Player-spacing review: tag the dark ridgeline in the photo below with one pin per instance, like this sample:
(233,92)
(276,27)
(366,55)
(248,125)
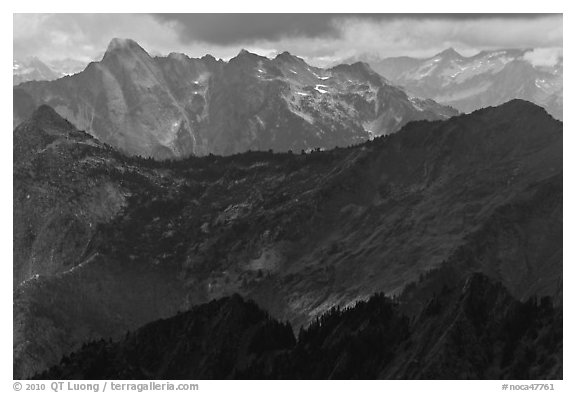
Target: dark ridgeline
(470,329)
(176,106)
(133,241)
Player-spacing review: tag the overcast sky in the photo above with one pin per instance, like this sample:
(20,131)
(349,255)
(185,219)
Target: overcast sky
(319,38)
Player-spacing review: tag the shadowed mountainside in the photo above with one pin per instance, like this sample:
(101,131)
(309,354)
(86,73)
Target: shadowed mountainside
(105,243)
(471,329)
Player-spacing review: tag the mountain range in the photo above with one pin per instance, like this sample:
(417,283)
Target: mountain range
(176,106)
(34,69)
(106,243)
(488,78)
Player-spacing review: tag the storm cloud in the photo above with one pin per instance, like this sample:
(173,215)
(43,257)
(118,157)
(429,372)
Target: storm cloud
(319,38)
(226,29)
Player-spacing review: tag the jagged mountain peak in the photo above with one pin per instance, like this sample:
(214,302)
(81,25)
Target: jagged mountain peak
(245,57)
(246,53)
(362,70)
(122,43)
(178,56)
(449,53)
(124,46)
(288,57)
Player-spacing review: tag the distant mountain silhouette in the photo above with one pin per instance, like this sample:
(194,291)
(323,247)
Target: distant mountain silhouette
(34,69)
(468,83)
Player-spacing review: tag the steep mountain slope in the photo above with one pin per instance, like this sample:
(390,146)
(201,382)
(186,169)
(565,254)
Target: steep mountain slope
(176,106)
(486,79)
(55,211)
(297,233)
(66,183)
(472,329)
(122,100)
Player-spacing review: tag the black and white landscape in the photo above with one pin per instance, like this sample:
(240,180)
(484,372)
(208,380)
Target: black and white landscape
(284,216)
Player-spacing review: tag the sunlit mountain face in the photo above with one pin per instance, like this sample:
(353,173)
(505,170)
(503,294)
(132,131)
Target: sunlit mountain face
(176,106)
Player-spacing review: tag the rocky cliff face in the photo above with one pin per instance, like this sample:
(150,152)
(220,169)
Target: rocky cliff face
(297,233)
(486,79)
(175,106)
